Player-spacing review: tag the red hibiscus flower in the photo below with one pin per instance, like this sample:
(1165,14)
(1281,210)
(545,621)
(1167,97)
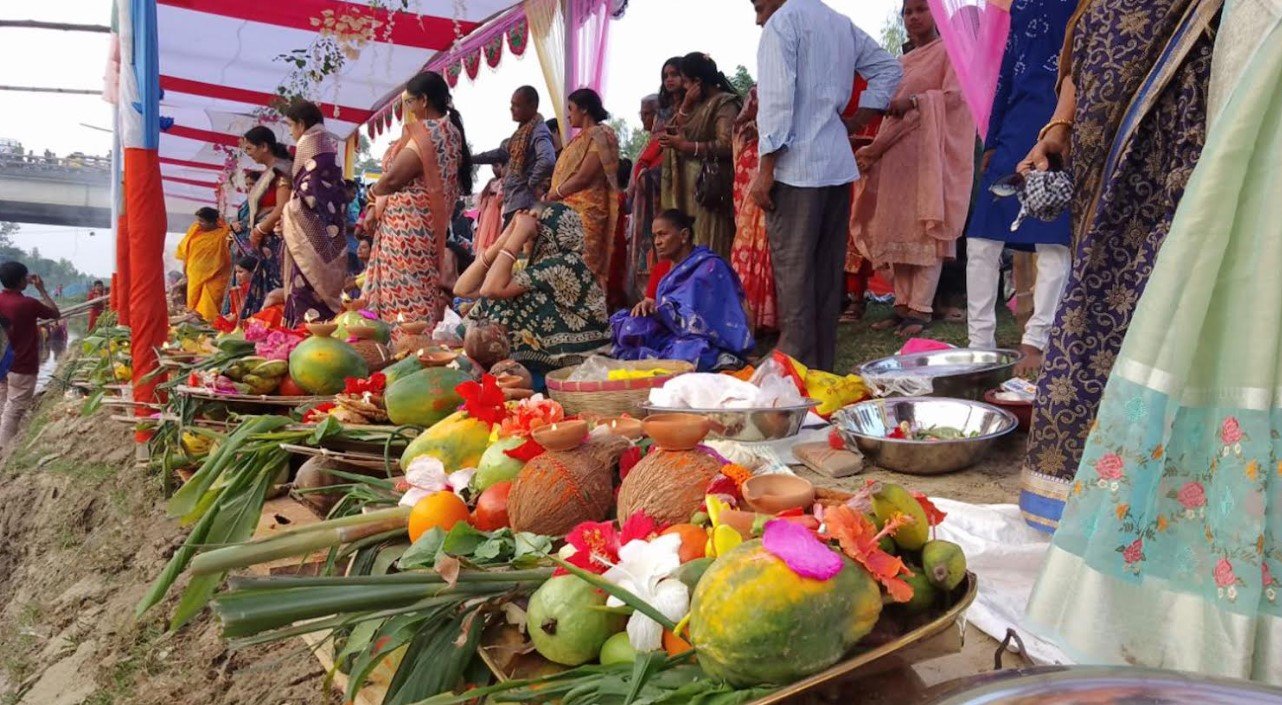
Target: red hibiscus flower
(522,418)
(483,401)
(597,543)
(1110,466)
(859,537)
(1134,552)
(527,451)
(1191,495)
(933,514)
(317,413)
(375,384)
(1224,575)
(1231,431)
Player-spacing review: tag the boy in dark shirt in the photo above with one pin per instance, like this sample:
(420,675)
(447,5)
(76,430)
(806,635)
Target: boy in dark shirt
(18,390)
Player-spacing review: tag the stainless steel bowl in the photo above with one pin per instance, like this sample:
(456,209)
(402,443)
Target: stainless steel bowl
(865,425)
(749,425)
(962,373)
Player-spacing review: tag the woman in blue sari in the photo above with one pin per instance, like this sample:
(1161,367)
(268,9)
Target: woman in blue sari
(696,313)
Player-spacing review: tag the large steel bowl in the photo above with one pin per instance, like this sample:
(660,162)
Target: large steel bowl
(749,425)
(865,425)
(961,373)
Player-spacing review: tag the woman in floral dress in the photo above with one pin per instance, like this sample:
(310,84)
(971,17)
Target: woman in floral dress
(750,254)
(424,173)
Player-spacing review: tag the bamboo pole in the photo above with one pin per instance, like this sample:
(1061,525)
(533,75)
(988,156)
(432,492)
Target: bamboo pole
(61,26)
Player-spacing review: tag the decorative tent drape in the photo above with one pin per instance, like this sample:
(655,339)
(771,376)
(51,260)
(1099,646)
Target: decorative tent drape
(570,37)
(974,33)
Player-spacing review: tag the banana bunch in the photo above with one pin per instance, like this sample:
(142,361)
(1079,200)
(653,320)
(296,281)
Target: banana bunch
(122,372)
(256,375)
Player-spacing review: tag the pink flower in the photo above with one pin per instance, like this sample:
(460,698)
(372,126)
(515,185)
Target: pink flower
(1110,466)
(1230,431)
(797,547)
(1224,576)
(1191,495)
(1267,574)
(1134,552)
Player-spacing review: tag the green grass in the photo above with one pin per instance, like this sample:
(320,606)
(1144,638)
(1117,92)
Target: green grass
(857,343)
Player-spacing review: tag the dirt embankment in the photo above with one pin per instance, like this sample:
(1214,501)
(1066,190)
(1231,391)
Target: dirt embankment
(82,533)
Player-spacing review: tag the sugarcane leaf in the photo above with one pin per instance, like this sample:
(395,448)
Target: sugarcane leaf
(645,666)
(440,663)
(383,640)
(177,563)
(422,553)
(92,402)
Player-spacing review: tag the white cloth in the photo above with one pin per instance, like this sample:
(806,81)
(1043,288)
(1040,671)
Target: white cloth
(1006,555)
(807,60)
(983,259)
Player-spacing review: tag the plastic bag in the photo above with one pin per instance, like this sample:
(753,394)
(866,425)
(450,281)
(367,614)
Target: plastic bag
(899,383)
(450,330)
(705,390)
(594,369)
(834,392)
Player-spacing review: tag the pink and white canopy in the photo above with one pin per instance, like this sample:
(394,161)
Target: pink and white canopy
(222,63)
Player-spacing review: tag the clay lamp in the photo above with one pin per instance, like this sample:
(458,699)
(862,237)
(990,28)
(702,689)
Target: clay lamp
(678,431)
(361,331)
(353,304)
(322,330)
(772,494)
(626,426)
(436,357)
(562,436)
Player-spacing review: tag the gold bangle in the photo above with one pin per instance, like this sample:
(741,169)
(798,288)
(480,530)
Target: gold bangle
(1052,125)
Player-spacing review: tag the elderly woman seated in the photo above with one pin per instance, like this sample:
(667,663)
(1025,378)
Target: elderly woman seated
(694,308)
(553,307)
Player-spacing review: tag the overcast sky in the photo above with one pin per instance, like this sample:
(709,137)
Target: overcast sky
(650,32)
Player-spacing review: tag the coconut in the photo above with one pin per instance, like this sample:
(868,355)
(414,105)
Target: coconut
(668,485)
(375,354)
(557,491)
(486,343)
(314,474)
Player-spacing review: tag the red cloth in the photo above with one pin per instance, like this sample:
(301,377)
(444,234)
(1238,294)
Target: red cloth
(660,270)
(272,316)
(148,313)
(22,313)
(650,158)
(120,281)
(870,130)
(616,296)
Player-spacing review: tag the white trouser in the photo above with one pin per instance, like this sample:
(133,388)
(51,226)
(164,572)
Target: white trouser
(983,260)
(17,396)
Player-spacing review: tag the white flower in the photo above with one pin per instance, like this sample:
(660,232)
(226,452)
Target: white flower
(426,476)
(1112,486)
(644,568)
(1272,594)
(1231,592)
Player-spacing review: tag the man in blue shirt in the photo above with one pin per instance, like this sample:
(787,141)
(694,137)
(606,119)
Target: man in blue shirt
(528,157)
(807,60)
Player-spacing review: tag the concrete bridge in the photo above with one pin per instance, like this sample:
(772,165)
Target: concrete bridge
(71,191)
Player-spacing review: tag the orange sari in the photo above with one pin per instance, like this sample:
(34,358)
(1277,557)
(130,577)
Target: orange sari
(598,204)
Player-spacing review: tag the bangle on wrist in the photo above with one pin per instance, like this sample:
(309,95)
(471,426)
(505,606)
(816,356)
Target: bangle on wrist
(1067,124)
(508,254)
(485,261)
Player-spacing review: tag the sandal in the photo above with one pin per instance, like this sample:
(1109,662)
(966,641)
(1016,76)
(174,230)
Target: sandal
(913,327)
(853,313)
(895,321)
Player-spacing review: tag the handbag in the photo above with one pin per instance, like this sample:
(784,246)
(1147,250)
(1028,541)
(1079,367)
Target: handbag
(714,188)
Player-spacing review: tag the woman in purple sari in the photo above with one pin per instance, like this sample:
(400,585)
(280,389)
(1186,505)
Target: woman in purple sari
(314,221)
(695,314)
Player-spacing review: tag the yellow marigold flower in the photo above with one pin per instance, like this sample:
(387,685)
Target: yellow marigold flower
(1253,469)
(1161,522)
(738,473)
(1159,451)
(1121,511)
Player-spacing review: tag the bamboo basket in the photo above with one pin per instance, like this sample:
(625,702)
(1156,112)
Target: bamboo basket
(611,398)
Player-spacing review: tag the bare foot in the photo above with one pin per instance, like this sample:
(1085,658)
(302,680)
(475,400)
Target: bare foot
(1031,364)
(887,324)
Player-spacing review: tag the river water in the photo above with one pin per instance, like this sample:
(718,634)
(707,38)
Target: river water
(52,352)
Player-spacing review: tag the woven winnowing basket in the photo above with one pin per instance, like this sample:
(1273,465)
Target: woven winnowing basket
(611,398)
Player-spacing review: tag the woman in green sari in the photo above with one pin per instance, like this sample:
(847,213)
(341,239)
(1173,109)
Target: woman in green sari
(698,167)
(553,307)
(1169,552)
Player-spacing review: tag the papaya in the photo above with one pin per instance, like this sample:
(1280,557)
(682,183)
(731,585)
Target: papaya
(565,621)
(319,365)
(457,441)
(383,330)
(753,621)
(891,500)
(401,369)
(425,397)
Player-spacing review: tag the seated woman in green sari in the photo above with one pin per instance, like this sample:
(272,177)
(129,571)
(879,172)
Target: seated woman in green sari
(553,308)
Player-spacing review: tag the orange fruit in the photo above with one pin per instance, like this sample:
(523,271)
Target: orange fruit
(674,645)
(694,540)
(441,509)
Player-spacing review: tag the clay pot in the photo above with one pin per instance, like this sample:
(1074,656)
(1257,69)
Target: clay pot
(413,328)
(626,426)
(676,431)
(354,304)
(512,368)
(771,494)
(437,358)
(486,343)
(322,330)
(562,436)
(409,344)
(362,332)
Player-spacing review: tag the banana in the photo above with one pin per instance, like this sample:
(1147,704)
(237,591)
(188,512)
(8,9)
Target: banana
(893,499)
(271,369)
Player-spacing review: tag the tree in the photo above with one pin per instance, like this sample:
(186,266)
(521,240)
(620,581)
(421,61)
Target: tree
(631,141)
(364,160)
(742,80)
(893,34)
(7,230)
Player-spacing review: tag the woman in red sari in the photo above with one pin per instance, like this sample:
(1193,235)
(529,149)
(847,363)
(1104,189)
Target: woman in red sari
(750,254)
(424,172)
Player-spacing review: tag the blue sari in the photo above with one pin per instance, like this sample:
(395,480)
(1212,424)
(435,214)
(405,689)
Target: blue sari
(699,318)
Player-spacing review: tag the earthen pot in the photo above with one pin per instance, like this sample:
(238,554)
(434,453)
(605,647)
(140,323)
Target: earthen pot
(772,494)
(322,330)
(676,431)
(562,435)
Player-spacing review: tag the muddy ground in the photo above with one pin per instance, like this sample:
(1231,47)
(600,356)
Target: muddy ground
(82,533)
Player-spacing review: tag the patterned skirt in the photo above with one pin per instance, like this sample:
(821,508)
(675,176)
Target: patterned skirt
(750,254)
(404,272)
